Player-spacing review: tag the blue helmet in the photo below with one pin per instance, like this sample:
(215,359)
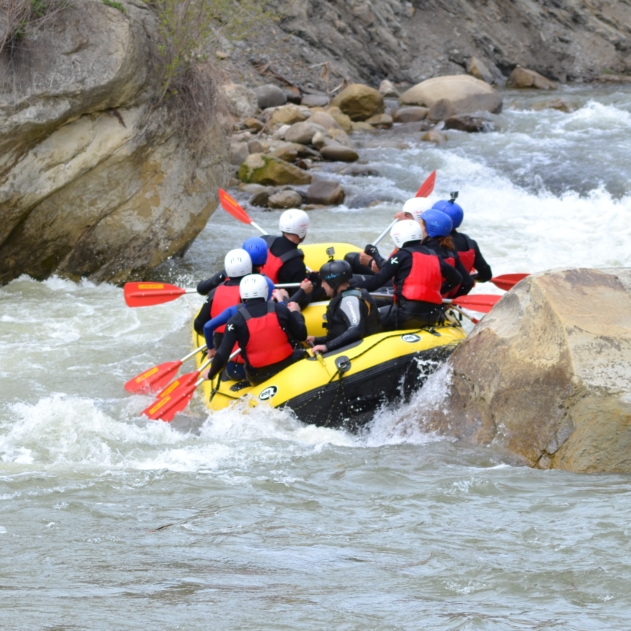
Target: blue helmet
(449,207)
(257,249)
(437,223)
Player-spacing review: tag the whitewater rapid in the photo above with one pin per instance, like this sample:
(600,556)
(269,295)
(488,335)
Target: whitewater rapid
(263,522)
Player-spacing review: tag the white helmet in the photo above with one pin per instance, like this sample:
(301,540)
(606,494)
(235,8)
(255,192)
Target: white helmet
(253,286)
(294,221)
(237,263)
(417,206)
(404,231)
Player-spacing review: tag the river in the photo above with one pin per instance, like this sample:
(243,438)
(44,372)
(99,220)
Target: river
(251,520)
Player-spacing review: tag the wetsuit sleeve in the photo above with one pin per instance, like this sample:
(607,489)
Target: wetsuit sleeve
(483,268)
(388,271)
(293,271)
(211,326)
(204,314)
(293,322)
(467,282)
(206,286)
(227,344)
(452,277)
(350,310)
(372,250)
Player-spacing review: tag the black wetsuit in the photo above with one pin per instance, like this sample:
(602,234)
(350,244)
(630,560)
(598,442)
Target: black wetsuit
(293,270)
(291,322)
(350,316)
(410,313)
(204,313)
(464,243)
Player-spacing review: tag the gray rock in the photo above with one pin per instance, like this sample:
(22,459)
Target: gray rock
(270,95)
(261,198)
(315,100)
(411,114)
(325,193)
(241,101)
(302,133)
(339,153)
(256,146)
(360,170)
(524,78)
(441,110)
(239,151)
(387,89)
(285,199)
(467,123)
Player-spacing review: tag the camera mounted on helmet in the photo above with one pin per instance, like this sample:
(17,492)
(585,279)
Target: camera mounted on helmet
(336,273)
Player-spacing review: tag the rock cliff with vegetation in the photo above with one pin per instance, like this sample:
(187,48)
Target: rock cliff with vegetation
(100,175)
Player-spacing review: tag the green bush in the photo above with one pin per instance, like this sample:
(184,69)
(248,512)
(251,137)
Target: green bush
(115,5)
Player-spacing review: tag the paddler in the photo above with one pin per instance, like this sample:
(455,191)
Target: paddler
(436,227)
(467,248)
(370,260)
(285,260)
(237,264)
(420,278)
(352,313)
(264,331)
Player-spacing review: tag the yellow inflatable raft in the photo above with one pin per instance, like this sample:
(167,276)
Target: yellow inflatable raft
(343,388)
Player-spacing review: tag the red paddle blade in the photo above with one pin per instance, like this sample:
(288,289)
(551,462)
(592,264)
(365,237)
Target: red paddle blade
(154,378)
(427,187)
(149,294)
(232,207)
(166,408)
(478,302)
(184,380)
(507,281)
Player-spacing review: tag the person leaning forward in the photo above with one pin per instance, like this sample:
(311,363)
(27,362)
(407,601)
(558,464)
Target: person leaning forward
(419,276)
(264,331)
(352,313)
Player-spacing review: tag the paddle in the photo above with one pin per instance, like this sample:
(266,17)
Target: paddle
(232,207)
(158,376)
(183,380)
(478,302)
(466,315)
(507,281)
(149,294)
(427,187)
(177,399)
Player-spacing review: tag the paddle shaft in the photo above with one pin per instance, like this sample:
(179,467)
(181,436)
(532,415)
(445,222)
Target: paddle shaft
(385,232)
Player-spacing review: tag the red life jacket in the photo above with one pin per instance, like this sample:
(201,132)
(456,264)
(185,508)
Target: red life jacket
(274,263)
(225,296)
(424,280)
(467,257)
(268,343)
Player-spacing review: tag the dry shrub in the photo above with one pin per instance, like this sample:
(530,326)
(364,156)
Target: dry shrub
(189,32)
(19,17)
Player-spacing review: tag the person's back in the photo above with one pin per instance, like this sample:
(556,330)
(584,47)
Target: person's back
(285,260)
(352,313)
(264,331)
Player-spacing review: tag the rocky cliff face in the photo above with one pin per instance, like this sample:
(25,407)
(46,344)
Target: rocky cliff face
(324,42)
(91,182)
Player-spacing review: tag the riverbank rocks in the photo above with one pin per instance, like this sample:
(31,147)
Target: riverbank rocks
(409,114)
(270,95)
(241,101)
(325,193)
(263,169)
(439,111)
(338,153)
(387,89)
(285,199)
(359,102)
(95,180)
(381,121)
(467,123)
(467,94)
(547,374)
(524,78)
(288,115)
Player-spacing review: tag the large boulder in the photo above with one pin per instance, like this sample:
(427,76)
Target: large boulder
(524,78)
(94,180)
(325,193)
(288,115)
(263,169)
(359,102)
(547,374)
(466,93)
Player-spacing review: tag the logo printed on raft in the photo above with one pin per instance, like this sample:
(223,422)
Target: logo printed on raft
(411,338)
(268,393)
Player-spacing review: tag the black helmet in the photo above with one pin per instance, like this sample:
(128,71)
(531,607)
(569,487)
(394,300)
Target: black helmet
(335,273)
